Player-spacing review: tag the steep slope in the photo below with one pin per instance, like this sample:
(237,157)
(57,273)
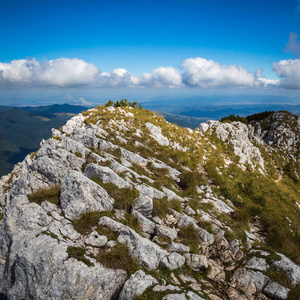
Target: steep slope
(22,129)
(121,204)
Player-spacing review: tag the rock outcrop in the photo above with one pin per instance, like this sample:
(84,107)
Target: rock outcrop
(113,207)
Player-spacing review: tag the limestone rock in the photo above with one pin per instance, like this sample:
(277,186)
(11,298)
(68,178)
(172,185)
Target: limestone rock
(177,247)
(276,291)
(136,285)
(144,205)
(290,268)
(106,175)
(175,297)
(79,194)
(172,261)
(216,271)
(96,240)
(196,262)
(155,133)
(142,249)
(258,264)
(146,225)
(165,231)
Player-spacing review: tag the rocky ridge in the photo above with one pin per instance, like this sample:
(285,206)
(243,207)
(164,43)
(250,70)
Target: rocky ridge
(121,204)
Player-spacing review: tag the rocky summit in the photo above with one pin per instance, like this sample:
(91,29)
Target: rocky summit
(120,204)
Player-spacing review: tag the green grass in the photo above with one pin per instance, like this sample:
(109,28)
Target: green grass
(189,236)
(51,194)
(48,232)
(118,258)
(123,197)
(294,294)
(279,276)
(78,253)
(161,207)
(88,220)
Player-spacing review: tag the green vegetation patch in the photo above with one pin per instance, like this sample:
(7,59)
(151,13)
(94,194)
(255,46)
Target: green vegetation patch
(189,236)
(233,118)
(294,293)
(279,276)
(123,102)
(118,258)
(88,220)
(161,207)
(123,197)
(51,194)
(48,232)
(78,253)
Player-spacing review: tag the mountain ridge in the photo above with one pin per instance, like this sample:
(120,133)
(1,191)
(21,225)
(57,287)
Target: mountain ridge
(141,208)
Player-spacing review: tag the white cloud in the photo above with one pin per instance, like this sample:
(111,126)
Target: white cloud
(289,70)
(61,72)
(269,82)
(146,79)
(18,71)
(168,76)
(208,73)
(67,72)
(118,77)
(199,72)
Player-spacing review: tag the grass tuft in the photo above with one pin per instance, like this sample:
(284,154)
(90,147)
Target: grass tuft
(118,258)
(51,194)
(78,253)
(88,220)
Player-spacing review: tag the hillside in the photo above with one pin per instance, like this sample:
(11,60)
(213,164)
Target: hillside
(121,204)
(22,129)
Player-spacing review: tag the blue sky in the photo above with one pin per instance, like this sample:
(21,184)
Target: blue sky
(71,48)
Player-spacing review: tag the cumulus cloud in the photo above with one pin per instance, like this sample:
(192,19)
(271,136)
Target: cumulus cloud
(61,72)
(289,71)
(208,73)
(268,82)
(293,46)
(118,77)
(198,72)
(168,76)
(18,71)
(67,72)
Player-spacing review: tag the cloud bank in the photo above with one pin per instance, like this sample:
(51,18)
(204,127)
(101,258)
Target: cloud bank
(289,71)
(195,72)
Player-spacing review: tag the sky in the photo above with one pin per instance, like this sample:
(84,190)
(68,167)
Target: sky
(86,51)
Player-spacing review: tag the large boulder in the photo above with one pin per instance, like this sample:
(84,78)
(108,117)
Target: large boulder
(79,194)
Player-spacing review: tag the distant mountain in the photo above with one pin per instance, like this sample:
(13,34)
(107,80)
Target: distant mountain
(217,112)
(183,121)
(22,129)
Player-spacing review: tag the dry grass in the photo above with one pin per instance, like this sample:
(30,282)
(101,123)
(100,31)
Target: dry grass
(88,220)
(51,194)
(123,197)
(161,207)
(118,258)
(189,236)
